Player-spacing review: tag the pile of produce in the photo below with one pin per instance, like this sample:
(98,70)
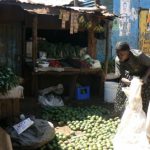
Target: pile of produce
(94,123)
(59,50)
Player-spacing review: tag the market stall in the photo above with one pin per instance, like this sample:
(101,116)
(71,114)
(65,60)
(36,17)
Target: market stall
(36,23)
(50,63)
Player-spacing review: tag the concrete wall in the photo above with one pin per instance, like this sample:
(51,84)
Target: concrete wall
(126,27)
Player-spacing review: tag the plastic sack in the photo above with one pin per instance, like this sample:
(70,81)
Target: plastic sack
(58,89)
(40,133)
(131,133)
(148,123)
(50,100)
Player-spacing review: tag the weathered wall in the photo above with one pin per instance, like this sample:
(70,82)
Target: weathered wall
(126,28)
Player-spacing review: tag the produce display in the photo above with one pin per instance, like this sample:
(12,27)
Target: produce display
(96,127)
(59,50)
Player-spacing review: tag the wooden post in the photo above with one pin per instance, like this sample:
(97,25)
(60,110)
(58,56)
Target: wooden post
(107,49)
(97,2)
(34,39)
(75,2)
(91,43)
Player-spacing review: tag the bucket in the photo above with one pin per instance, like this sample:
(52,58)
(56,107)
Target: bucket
(110,90)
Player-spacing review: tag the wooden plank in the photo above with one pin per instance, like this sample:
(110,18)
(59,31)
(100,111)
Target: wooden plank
(34,39)
(9,108)
(91,44)
(3,108)
(73,86)
(68,71)
(15,107)
(107,49)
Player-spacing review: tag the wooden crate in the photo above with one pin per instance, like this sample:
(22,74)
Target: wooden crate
(9,108)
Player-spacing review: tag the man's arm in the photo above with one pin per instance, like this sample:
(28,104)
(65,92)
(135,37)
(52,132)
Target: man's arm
(145,60)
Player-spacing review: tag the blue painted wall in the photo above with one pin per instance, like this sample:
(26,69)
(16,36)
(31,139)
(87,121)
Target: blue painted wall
(101,43)
(133,18)
(145,4)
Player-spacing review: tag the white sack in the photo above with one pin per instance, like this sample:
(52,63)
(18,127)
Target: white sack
(131,133)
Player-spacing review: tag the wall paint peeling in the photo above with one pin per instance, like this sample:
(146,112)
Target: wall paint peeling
(144,36)
(131,22)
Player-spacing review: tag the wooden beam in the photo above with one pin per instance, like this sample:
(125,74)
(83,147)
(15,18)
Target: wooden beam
(92,40)
(91,43)
(107,49)
(34,39)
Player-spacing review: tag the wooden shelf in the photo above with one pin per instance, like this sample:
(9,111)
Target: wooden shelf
(74,73)
(70,71)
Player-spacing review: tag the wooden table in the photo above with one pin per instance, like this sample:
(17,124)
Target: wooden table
(74,73)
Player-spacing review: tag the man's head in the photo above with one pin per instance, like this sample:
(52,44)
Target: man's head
(123,51)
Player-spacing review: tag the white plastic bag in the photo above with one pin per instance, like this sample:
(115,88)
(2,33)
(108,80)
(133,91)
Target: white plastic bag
(131,133)
(50,100)
(148,123)
(46,99)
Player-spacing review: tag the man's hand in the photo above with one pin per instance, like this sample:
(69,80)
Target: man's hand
(126,81)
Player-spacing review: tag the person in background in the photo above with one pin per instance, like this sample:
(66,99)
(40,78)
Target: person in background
(129,63)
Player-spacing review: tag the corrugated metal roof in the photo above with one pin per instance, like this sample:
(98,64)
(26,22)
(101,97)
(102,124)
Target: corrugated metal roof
(89,9)
(51,7)
(101,9)
(88,3)
(49,2)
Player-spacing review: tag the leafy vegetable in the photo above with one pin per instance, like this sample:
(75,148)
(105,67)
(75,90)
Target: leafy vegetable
(59,50)
(8,79)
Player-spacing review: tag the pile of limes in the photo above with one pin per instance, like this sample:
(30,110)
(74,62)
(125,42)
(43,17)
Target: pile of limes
(96,127)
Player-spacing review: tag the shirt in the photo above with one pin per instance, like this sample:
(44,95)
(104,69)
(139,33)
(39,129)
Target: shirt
(137,64)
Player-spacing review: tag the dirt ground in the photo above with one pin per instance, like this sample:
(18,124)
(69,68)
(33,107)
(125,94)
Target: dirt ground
(64,129)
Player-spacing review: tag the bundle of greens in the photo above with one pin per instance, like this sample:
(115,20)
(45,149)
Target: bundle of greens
(59,50)
(8,79)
